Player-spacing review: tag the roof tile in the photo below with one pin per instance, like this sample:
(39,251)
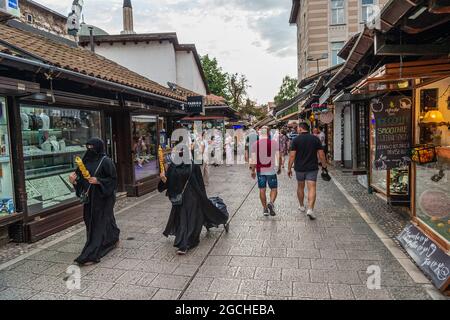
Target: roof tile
(79,60)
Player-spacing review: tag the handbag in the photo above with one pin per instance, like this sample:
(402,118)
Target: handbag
(84,197)
(325,175)
(178,199)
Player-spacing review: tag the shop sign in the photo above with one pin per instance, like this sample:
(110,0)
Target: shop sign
(433,261)
(10,6)
(195,105)
(319,107)
(392,122)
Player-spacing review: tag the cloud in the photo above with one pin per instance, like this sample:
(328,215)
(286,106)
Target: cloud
(275,31)
(253,5)
(252,37)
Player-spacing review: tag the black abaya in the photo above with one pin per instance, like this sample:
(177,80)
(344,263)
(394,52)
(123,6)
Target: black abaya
(102,231)
(186,221)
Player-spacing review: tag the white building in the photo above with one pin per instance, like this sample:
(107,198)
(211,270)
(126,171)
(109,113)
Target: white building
(157,56)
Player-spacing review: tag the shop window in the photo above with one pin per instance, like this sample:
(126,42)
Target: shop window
(367,10)
(30,18)
(52,138)
(432,196)
(145,146)
(337,12)
(6,180)
(335,48)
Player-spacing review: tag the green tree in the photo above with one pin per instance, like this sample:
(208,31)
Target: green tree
(216,78)
(288,90)
(237,87)
(250,109)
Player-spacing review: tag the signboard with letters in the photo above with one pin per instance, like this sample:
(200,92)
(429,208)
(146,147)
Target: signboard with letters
(319,108)
(10,6)
(434,262)
(195,105)
(393,131)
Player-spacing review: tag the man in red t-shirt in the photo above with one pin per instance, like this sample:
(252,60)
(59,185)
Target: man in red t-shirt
(265,163)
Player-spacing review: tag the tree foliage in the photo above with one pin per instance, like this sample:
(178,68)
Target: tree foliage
(216,78)
(288,90)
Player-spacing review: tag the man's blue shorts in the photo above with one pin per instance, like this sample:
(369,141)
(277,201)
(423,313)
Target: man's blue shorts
(264,181)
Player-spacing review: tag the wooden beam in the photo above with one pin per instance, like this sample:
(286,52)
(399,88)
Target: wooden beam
(384,49)
(412,50)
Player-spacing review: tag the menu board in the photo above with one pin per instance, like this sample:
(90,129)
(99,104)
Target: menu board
(392,123)
(433,261)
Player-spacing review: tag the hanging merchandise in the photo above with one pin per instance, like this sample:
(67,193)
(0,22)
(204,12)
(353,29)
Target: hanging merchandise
(423,154)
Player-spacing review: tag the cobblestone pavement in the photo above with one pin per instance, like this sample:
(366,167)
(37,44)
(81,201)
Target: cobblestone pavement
(13,250)
(285,257)
(392,220)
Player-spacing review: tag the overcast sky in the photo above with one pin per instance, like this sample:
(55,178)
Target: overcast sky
(252,37)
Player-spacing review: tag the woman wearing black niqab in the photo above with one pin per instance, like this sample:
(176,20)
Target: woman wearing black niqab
(102,231)
(187,220)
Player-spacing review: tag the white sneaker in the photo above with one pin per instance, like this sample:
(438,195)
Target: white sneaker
(310,214)
(302,209)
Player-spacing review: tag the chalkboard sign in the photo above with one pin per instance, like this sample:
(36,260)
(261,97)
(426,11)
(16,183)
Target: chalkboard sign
(429,257)
(392,123)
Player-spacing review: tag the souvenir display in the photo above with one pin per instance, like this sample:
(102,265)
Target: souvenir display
(52,141)
(6,179)
(6,206)
(45,121)
(145,146)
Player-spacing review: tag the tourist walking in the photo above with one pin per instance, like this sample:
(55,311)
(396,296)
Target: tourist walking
(96,188)
(265,163)
(306,149)
(229,149)
(191,208)
(284,146)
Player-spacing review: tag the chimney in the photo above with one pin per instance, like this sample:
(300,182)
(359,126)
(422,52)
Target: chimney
(127,18)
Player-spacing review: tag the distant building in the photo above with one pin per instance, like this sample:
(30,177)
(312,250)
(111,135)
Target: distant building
(157,56)
(324,26)
(43,18)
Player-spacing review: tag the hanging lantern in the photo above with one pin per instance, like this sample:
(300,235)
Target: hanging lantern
(312,119)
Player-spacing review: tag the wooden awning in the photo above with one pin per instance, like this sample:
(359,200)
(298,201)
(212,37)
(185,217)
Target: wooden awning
(401,76)
(291,116)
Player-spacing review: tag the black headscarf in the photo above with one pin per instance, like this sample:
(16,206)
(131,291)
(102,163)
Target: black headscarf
(97,152)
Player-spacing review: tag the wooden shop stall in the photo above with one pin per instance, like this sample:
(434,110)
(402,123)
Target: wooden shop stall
(53,98)
(410,153)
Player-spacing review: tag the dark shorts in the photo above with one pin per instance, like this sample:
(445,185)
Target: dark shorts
(264,181)
(307,176)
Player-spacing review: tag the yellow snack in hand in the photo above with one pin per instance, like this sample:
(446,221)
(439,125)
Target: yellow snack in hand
(82,168)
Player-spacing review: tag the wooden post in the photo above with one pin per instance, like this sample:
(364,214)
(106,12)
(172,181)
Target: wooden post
(15,124)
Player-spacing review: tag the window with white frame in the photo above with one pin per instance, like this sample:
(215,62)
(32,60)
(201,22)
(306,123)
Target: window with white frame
(335,48)
(367,10)
(337,12)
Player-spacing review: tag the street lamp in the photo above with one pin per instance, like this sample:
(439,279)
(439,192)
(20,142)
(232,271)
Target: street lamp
(324,56)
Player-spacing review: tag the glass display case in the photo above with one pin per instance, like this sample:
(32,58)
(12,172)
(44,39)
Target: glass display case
(7,206)
(432,183)
(52,138)
(145,146)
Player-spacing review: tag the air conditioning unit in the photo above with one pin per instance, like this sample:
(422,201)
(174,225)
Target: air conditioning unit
(10,7)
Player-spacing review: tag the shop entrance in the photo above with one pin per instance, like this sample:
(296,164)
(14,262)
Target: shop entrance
(112,142)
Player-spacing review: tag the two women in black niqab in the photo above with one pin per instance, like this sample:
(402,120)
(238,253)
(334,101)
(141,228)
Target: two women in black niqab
(100,192)
(196,210)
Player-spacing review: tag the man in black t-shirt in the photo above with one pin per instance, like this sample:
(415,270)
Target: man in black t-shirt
(306,150)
